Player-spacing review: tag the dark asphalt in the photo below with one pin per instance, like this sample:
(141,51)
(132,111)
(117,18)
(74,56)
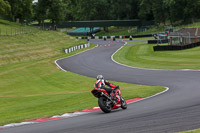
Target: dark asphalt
(176,110)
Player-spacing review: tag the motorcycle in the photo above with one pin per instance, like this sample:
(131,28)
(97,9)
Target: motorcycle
(106,102)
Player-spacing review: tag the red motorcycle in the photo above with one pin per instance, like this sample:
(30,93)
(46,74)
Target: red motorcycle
(106,102)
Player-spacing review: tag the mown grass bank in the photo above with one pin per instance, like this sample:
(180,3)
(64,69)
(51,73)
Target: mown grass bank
(31,86)
(143,56)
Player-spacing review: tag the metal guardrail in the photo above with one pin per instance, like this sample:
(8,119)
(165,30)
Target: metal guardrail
(114,37)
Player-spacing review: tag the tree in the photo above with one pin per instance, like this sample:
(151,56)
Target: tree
(167,5)
(104,9)
(4,8)
(145,10)
(158,10)
(90,9)
(50,9)
(124,9)
(57,10)
(26,10)
(21,9)
(41,9)
(191,10)
(68,10)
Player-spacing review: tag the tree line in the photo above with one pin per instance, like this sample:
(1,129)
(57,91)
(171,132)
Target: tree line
(57,11)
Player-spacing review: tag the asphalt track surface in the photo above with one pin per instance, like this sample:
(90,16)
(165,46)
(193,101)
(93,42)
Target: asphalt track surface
(176,110)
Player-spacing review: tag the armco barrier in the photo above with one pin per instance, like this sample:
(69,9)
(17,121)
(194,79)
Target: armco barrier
(157,41)
(119,37)
(176,47)
(69,50)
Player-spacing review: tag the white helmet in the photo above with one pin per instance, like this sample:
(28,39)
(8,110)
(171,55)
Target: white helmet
(100,77)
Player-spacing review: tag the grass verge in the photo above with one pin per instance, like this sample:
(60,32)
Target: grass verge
(32,87)
(192,131)
(143,56)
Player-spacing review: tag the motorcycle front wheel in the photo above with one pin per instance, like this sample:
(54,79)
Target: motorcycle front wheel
(104,105)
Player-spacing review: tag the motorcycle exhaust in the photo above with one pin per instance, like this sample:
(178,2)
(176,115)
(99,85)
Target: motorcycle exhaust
(103,94)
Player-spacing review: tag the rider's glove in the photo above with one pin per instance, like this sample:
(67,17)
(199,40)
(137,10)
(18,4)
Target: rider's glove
(117,87)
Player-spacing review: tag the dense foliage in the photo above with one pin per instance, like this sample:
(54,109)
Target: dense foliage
(162,11)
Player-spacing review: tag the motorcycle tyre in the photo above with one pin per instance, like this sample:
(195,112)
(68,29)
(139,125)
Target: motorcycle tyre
(123,103)
(102,105)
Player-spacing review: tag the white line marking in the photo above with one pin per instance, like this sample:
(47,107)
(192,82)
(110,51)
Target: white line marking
(167,88)
(131,66)
(146,68)
(17,124)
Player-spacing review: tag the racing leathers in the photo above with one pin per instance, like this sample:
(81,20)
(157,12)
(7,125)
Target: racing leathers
(101,84)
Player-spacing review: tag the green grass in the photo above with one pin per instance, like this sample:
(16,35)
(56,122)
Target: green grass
(143,56)
(41,90)
(135,42)
(192,131)
(31,86)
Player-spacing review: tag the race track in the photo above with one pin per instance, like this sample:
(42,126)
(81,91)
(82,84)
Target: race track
(176,110)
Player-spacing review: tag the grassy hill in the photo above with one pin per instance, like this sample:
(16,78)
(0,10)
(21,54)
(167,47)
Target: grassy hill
(31,86)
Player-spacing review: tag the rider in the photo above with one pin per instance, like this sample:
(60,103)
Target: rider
(100,84)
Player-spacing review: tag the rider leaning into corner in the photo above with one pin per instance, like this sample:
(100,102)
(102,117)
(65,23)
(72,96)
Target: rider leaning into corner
(101,84)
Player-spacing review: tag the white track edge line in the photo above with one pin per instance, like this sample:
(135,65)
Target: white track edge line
(69,57)
(131,66)
(146,68)
(167,88)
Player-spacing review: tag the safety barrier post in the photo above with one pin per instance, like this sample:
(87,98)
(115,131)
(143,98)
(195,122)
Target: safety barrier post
(130,38)
(66,51)
(104,38)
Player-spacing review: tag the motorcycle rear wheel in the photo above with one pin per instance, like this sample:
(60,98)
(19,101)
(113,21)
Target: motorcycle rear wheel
(106,108)
(123,103)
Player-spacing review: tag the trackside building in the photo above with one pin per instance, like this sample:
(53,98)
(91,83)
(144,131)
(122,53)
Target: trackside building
(184,36)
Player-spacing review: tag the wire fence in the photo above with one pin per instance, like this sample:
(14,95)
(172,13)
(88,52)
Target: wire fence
(18,31)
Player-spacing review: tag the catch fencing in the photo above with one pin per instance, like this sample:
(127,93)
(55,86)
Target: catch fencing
(17,31)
